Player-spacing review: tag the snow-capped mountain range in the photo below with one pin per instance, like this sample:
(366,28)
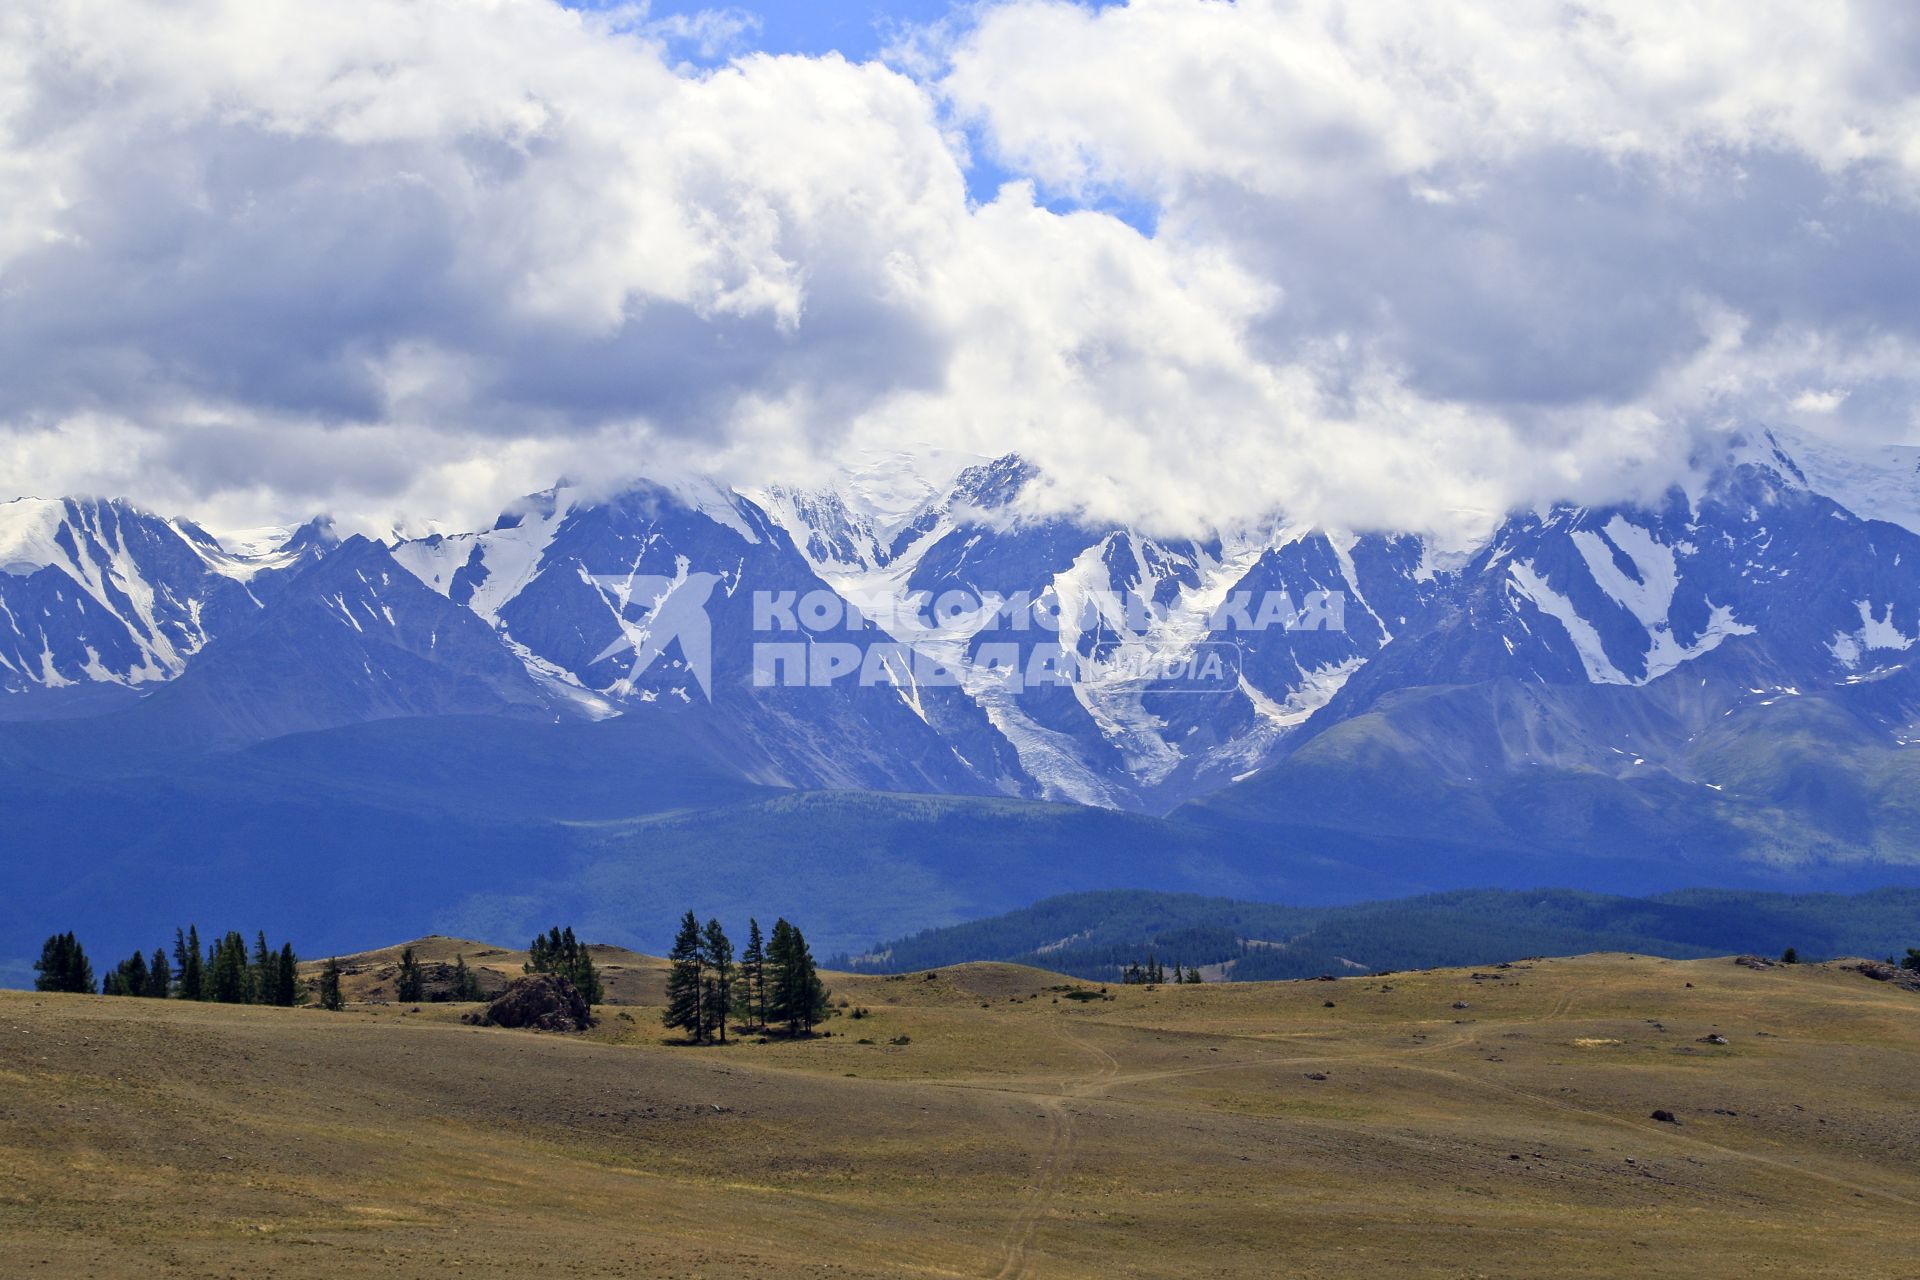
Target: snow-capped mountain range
(1609,645)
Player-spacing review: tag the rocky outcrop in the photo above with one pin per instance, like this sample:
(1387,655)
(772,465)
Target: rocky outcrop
(540,1002)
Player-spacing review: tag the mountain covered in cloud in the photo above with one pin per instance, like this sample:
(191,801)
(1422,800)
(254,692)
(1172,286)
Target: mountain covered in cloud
(1639,648)
(1720,688)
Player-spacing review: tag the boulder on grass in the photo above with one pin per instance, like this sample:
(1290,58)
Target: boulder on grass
(540,1002)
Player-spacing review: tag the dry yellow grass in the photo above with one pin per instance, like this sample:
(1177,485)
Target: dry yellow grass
(1216,1130)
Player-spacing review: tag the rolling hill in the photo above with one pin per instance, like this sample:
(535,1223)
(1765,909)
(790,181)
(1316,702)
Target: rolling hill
(981,1121)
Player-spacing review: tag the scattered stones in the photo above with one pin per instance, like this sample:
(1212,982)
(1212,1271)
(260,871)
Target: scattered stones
(1461,1004)
(1665,1117)
(1327,1005)
(1753,962)
(1713,1039)
(1316,1075)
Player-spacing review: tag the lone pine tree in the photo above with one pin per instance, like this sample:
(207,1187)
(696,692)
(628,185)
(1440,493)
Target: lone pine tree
(186,955)
(330,987)
(286,978)
(466,986)
(686,981)
(720,977)
(753,976)
(159,976)
(407,988)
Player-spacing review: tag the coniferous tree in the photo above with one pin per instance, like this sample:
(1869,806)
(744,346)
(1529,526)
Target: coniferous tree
(753,975)
(229,980)
(780,984)
(411,983)
(580,971)
(686,981)
(265,973)
(63,966)
(796,995)
(719,992)
(286,977)
(1913,959)
(330,987)
(544,955)
(559,952)
(186,956)
(129,977)
(159,976)
(466,983)
(813,992)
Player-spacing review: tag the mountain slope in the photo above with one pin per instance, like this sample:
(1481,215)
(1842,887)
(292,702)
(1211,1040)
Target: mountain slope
(101,592)
(593,594)
(1726,678)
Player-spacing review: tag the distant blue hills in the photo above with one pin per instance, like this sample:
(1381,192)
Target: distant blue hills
(1099,935)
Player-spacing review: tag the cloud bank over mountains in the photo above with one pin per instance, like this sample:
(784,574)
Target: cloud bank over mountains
(1392,264)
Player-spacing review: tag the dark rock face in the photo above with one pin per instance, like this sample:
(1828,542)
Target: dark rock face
(1880,971)
(540,1002)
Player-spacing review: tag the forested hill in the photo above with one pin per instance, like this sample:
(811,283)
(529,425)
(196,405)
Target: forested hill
(1096,935)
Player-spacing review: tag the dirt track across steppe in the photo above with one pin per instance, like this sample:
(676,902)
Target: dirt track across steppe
(1220,1130)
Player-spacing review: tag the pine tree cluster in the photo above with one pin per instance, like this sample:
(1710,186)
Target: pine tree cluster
(63,966)
(226,971)
(1153,974)
(557,952)
(774,983)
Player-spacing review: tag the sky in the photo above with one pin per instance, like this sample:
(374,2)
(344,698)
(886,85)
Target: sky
(1381,265)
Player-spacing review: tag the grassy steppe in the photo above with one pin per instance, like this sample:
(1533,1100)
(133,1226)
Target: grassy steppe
(1165,1132)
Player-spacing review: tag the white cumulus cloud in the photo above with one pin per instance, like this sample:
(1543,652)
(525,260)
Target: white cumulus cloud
(1386,264)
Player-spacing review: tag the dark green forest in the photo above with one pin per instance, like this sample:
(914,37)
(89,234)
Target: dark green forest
(1098,935)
